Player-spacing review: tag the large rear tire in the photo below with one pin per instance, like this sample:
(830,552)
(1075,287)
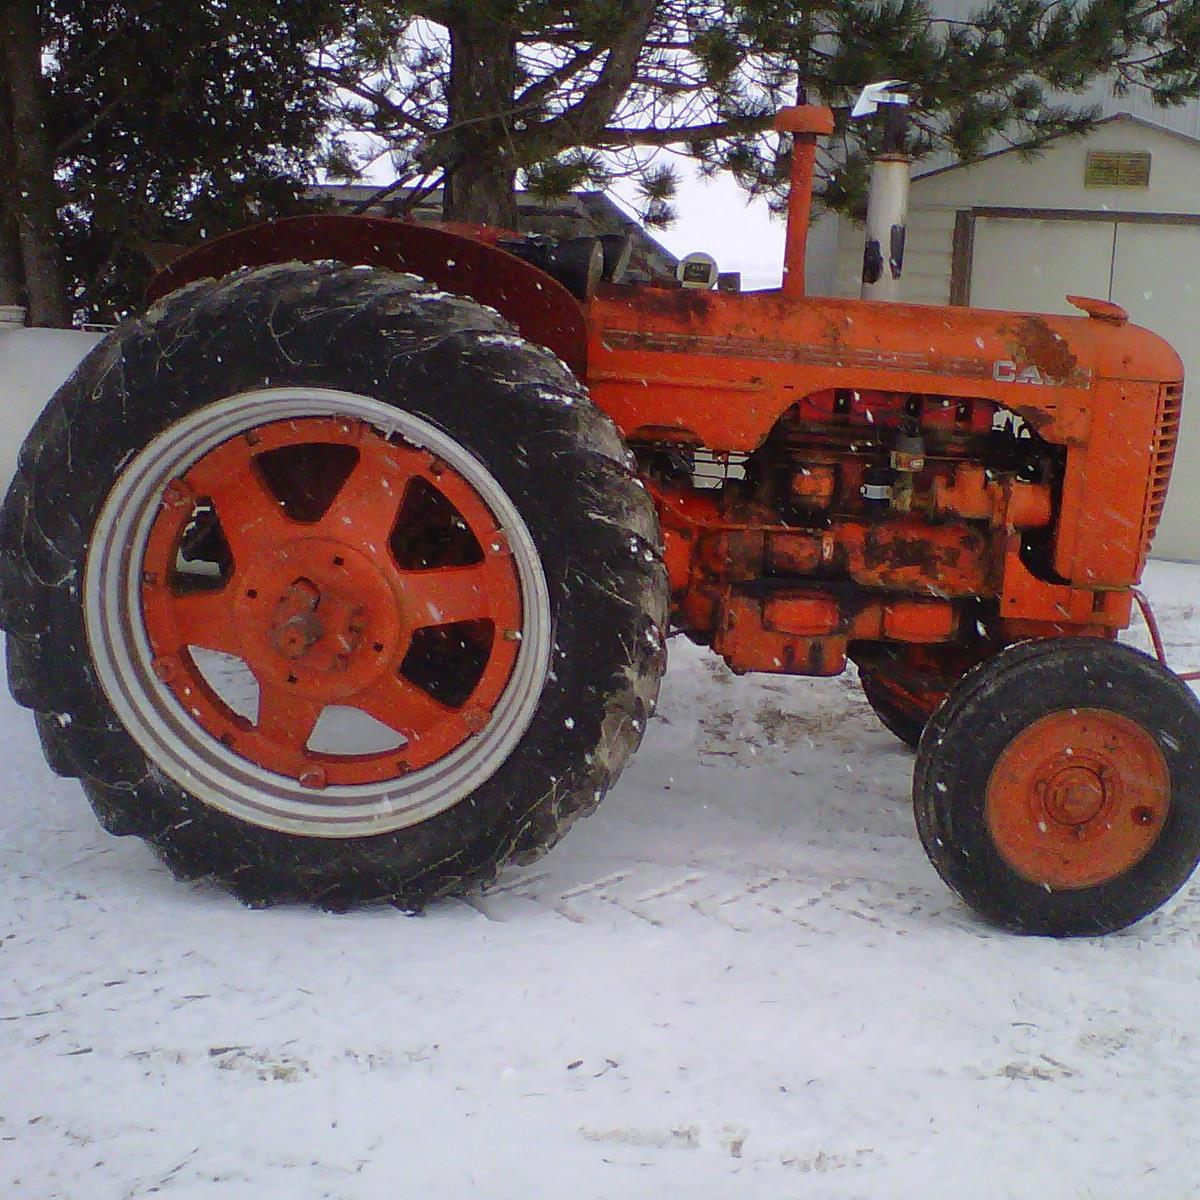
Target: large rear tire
(1057,790)
(331,588)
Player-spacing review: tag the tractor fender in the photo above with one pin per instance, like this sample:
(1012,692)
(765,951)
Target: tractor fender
(539,306)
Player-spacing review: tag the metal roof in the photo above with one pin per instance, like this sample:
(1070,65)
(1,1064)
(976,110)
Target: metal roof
(578,214)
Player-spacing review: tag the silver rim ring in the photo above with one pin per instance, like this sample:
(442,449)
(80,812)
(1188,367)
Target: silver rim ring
(192,757)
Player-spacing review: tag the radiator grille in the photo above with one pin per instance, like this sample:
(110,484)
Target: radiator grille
(1166,434)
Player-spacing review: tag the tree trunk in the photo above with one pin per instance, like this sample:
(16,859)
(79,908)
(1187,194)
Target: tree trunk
(37,209)
(12,274)
(481,173)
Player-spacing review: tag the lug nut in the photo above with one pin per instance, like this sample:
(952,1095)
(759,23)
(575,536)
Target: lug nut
(475,719)
(165,668)
(176,494)
(313,777)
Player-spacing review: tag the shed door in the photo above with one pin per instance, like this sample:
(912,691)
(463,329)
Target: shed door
(1032,264)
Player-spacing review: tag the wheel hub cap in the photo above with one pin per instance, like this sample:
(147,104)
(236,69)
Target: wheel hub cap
(320,618)
(1074,795)
(1077,798)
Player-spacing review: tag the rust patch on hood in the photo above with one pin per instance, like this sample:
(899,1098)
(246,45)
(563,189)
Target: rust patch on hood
(690,305)
(1035,344)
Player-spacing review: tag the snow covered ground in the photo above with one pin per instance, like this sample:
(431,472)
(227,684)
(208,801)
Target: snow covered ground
(740,978)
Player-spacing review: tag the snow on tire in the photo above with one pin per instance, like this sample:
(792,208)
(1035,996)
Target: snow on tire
(331,588)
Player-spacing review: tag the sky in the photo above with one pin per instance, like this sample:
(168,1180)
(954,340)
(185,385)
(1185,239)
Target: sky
(717,216)
(707,211)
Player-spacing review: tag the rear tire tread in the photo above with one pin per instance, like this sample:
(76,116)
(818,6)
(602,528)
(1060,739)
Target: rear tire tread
(603,563)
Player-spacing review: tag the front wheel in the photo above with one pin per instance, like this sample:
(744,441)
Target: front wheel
(1057,790)
(371,601)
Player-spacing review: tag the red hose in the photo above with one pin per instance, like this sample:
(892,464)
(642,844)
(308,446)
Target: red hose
(1148,616)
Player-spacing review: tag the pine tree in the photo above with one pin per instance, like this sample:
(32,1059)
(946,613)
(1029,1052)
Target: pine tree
(30,261)
(164,122)
(561,93)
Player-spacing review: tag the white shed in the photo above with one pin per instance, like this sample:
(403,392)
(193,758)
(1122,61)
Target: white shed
(1113,214)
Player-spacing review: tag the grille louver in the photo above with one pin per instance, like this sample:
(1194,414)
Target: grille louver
(1166,435)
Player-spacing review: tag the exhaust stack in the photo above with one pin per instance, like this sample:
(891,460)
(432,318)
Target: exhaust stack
(887,201)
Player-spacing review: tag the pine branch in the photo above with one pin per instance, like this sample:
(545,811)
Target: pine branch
(712,131)
(538,92)
(440,12)
(581,119)
(374,96)
(71,141)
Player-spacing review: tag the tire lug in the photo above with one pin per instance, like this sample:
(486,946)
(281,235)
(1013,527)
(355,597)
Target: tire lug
(313,777)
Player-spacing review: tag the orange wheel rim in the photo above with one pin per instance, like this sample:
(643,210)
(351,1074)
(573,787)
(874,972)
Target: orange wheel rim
(1078,798)
(353,570)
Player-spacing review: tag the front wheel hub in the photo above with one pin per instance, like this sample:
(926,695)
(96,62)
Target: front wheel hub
(1074,795)
(1077,798)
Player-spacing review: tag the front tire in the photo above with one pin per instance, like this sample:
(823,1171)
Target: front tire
(1057,790)
(332,588)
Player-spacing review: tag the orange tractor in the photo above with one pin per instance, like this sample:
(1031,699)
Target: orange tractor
(344,573)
